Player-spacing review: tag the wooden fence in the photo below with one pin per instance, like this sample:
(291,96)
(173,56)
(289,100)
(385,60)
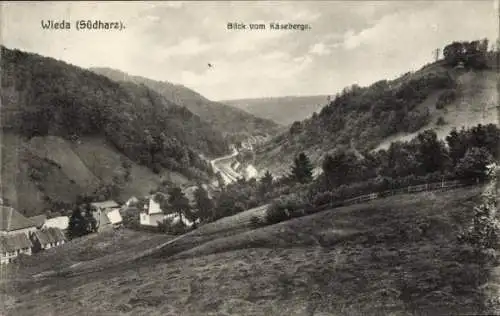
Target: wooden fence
(436,186)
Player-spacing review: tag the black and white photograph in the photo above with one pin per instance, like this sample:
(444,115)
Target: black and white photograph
(248,158)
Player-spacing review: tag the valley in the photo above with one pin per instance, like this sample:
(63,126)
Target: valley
(182,167)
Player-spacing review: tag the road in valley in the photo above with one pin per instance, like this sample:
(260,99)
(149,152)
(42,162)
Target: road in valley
(223,165)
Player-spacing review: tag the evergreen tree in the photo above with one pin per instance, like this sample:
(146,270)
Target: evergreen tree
(77,226)
(302,169)
(267,179)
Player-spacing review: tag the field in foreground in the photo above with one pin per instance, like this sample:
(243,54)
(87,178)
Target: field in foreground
(395,256)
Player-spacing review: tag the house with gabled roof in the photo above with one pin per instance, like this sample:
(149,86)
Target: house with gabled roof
(106,214)
(47,238)
(152,214)
(13,245)
(12,222)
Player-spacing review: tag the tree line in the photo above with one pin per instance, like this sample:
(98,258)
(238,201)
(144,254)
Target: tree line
(471,54)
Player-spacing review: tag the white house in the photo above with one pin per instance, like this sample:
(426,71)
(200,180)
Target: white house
(152,214)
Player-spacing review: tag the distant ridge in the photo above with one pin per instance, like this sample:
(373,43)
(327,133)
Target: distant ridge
(283,110)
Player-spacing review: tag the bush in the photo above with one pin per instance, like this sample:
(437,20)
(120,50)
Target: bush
(446,98)
(285,208)
(277,213)
(169,227)
(322,198)
(256,222)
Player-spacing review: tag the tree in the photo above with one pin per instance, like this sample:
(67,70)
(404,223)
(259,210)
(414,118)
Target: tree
(340,168)
(432,154)
(204,204)
(266,184)
(267,179)
(77,226)
(457,144)
(474,164)
(302,169)
(178,202)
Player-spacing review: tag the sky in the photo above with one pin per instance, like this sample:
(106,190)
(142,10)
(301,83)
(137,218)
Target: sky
(349,42)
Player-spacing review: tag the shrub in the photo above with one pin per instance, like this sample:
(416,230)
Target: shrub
(173,228)
(446,98)
(256,222)
(285,208)
(322,198)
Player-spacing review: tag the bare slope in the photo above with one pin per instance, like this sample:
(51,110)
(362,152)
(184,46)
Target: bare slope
(283,110)
(394,256)
(225,118)
(476,103)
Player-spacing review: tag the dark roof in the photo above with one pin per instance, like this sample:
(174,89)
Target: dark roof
(9,243)
(39,220)
(10,219)
(49,235)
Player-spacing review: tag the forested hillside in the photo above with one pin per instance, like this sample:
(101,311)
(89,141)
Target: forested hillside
(129,124)
(222,117)
(454,92)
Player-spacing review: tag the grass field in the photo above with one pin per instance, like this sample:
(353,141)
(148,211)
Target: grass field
(394,256)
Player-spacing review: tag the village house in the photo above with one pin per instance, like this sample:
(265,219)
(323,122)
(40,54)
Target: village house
(15,230)
(60,222)
(47,238)
(106,214)
(11,246)
(152,214)
(12,222)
